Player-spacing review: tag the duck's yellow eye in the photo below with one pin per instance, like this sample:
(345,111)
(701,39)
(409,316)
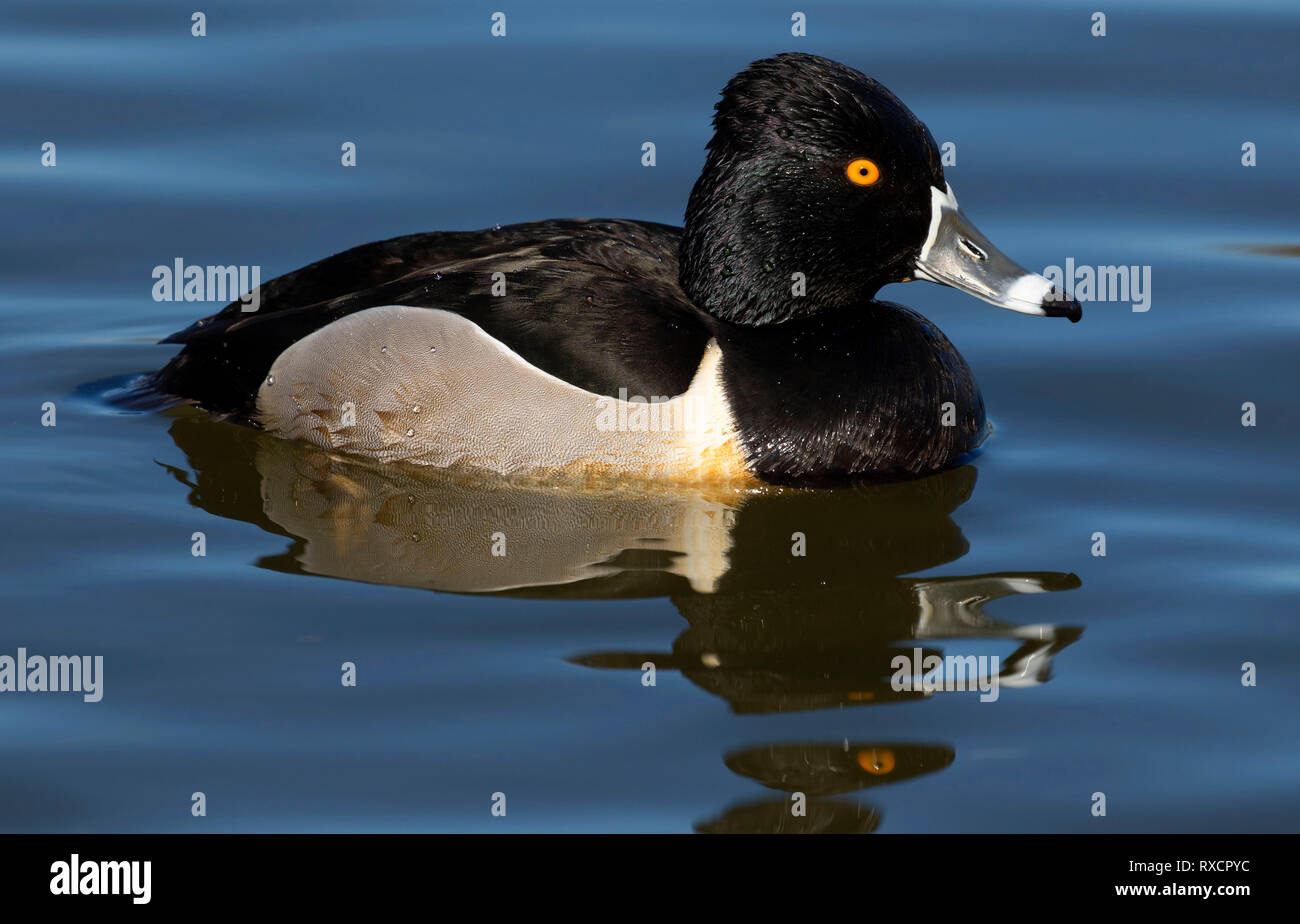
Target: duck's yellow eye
(863,172)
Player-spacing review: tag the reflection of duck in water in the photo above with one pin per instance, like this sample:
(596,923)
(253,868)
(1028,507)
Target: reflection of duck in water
(418,527)
(768,630)
(816,647)
(782,632)
(811,773)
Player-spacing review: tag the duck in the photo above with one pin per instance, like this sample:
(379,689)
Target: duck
(746,347)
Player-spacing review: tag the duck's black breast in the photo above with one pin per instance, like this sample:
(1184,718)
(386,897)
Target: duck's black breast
(874,390)
(595,303)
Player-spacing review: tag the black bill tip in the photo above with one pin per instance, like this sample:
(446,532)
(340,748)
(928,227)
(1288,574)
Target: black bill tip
(1060,304)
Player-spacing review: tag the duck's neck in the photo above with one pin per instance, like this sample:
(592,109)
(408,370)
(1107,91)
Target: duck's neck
(872,390)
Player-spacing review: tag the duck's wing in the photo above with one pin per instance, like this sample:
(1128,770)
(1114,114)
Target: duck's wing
(593,302)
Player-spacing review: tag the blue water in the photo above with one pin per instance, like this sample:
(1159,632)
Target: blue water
(222,672)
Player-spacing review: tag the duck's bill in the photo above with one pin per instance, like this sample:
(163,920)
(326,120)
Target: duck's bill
(956,254)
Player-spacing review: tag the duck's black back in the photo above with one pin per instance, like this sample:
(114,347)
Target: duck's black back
(593,302)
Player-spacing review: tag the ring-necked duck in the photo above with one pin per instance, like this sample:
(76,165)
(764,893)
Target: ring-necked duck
(752,331)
